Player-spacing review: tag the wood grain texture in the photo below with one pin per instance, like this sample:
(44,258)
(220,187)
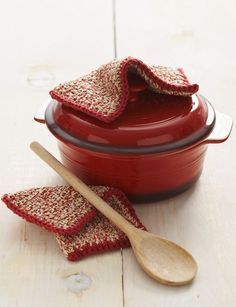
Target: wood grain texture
(45,42)
(199,37)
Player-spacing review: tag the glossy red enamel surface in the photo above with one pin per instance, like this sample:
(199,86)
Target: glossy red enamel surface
(97,152)
(138,176)
(164,119)
(149,119)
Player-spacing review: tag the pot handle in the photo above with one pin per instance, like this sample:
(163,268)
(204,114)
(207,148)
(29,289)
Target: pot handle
(39,115)
(221,130)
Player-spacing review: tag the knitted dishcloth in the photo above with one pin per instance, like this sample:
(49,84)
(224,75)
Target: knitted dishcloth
(80,229)
(104,93)
(100,234)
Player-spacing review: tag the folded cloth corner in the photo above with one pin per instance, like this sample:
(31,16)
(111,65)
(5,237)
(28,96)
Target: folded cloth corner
(104,93)
(80,229)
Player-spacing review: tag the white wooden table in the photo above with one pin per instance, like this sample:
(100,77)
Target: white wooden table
(48,41)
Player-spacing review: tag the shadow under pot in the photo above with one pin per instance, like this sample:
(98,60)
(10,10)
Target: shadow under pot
(154,150)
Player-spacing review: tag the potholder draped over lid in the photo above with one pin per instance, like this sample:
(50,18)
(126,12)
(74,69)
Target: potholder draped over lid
(104,93)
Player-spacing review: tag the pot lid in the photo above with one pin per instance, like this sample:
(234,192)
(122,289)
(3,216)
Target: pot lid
(151,122)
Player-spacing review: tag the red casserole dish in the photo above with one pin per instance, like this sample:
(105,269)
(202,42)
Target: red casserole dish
(150,152)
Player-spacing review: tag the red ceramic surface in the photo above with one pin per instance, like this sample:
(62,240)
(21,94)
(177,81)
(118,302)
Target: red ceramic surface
(141,177)
(155,149)
(150,119)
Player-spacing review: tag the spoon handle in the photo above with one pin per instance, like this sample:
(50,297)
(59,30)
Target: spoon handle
(83,189)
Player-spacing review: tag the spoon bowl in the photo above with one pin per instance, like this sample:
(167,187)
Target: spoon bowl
(163,260)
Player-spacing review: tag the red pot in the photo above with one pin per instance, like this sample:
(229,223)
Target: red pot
(149,153)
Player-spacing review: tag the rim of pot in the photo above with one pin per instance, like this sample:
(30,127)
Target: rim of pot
(195,138)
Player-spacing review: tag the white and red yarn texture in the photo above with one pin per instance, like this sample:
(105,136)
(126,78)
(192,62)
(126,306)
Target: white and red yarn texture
(58,209)
(80,229)
(100,234)
(104,92)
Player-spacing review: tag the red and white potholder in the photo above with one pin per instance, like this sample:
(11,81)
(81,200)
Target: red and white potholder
(104,92)
(80,229)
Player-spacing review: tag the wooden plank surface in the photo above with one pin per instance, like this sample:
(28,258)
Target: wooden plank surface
(45,42)
(199,37)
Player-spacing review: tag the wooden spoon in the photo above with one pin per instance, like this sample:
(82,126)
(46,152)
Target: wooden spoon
(163,260)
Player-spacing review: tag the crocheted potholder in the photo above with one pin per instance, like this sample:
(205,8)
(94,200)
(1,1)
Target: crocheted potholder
(58,209)
(80,229)
(100,235)
(104,93)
